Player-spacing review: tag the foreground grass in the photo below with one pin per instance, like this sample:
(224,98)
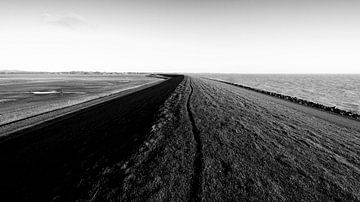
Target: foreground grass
(190,139)
(256,149)
(225,143)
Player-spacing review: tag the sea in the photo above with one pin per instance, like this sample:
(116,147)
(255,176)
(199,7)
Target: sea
(339,90)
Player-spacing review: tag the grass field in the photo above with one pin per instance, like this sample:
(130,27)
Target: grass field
(186,139)
(225,143)
(27,94)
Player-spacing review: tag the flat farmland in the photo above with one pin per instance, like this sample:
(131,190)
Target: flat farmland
(27,94)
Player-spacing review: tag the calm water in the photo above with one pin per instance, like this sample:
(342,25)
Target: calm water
(342,91)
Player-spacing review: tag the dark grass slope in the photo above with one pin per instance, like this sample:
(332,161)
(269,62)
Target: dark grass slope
(59,159)
(164,168)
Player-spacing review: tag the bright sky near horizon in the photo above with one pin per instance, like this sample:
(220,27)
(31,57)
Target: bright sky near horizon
(245,36)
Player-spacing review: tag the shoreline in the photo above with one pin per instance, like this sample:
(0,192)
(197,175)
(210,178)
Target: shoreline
(332,110)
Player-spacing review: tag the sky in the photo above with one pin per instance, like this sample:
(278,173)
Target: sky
(229,36)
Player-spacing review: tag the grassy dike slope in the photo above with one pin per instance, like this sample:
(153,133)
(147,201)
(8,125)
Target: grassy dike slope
(221,142)
(81,155)
(185,139)
(257,149)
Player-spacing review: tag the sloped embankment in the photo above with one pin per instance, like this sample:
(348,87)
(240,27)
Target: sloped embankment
(213,141)
(163,168)
(80,156)
(256,148)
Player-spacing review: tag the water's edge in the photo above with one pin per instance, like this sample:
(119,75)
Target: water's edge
(332,109)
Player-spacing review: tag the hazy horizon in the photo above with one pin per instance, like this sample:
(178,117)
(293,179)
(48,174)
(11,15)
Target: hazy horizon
(160,72)
(246,36)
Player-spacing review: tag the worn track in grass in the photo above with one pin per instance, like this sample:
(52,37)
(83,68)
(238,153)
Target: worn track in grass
(196,185)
